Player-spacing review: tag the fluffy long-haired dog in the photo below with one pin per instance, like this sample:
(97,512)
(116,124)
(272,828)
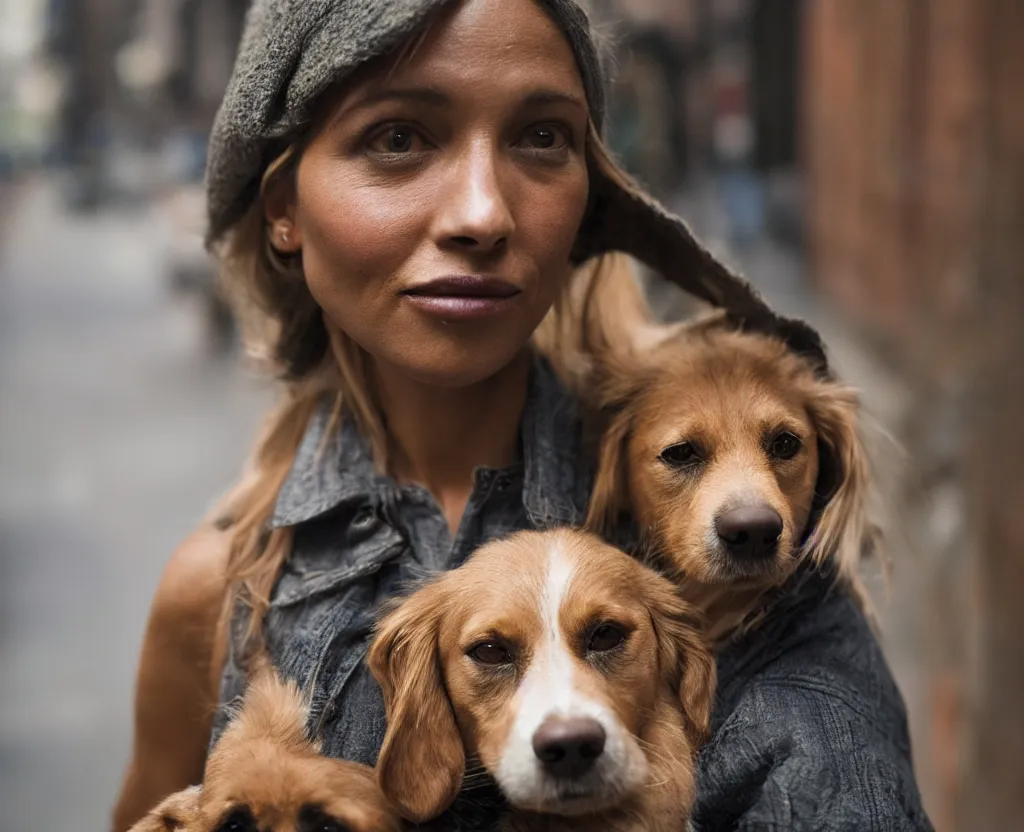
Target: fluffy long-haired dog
(265,775)
(574,675)
(737,458)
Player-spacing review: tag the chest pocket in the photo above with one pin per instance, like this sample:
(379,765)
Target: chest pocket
(323,607)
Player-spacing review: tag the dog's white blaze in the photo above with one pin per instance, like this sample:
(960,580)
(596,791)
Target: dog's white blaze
(548,690)
(547,687)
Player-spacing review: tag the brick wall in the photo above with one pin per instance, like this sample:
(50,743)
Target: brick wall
(892,150)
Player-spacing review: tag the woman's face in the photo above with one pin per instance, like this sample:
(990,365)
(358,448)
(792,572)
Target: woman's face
(436,209)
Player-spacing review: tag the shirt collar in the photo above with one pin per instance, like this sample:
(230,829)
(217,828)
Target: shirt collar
(334,464)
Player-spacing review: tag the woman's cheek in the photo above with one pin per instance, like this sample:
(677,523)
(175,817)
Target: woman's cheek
(553,221)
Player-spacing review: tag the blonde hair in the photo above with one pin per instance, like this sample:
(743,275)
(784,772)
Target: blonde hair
(285,333)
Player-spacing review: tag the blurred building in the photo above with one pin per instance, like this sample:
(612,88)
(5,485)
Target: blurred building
(181,55)
(914,150)
(711,88)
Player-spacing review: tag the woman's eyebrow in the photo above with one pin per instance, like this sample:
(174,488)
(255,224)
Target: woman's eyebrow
(433,97)
(430,96)
(547,96)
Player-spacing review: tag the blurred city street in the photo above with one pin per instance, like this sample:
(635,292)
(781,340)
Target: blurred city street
(116,432)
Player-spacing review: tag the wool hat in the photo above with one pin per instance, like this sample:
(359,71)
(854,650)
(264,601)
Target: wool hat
(293,50)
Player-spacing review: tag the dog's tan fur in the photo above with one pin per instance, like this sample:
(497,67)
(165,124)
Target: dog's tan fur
(443,708)
(264,764)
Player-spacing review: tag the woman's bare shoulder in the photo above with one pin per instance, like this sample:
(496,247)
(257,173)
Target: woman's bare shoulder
(186,632)
(177,686)
(194,581)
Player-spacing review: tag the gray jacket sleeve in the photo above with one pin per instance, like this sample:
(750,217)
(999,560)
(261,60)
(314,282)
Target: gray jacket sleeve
(810,731)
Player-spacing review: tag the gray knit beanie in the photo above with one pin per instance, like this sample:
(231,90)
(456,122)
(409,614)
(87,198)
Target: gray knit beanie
(293,50)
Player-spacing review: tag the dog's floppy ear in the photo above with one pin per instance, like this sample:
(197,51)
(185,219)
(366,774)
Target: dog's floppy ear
(800,337)
(837,525)
(684,656)
(609,496)
(177,812)
(422,760)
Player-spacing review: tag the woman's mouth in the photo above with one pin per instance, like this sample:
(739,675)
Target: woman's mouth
(463,297)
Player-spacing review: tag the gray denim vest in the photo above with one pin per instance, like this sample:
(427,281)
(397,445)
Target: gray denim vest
(809,728)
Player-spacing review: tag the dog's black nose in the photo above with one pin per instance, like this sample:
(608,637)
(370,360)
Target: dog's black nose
(569,746)
(750,532)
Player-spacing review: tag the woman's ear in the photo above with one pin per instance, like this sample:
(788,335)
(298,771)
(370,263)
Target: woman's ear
(839,520)
(279,211)
(422,760)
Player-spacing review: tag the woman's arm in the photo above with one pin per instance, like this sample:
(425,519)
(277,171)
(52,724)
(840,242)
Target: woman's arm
(810,730)
(179,676)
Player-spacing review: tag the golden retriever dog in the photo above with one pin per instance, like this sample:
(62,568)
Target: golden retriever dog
(736,456)
(265,775)
(571,674)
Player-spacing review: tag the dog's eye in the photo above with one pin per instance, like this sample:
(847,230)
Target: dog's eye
(605,637)
(680,455)
(313,819)
(490,652)
(784,446)
(326,825)
(238,820)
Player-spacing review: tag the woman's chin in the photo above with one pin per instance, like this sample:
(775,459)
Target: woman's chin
(454,369)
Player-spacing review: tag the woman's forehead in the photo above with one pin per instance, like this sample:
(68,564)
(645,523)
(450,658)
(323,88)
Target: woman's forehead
(488,46)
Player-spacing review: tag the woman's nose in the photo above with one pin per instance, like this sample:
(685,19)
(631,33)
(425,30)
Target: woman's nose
(474,210)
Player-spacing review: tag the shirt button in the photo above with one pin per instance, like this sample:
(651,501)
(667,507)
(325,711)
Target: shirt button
(364,518)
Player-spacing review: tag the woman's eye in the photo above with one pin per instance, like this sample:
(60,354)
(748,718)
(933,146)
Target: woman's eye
(680,455)
(784,446)
(545,137)
(397,139)
(605,637)
(491,653)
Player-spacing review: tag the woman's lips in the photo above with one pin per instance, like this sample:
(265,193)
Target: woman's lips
(463,297)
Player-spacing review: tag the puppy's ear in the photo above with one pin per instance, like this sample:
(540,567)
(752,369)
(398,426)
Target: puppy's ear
(838,523)
(684,657)
(609,496)
(697,688)
(177,812)
(422,760)
(272,709)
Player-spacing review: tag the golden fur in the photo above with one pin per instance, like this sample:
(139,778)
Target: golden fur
(265,772)
(727,392)
(443,707)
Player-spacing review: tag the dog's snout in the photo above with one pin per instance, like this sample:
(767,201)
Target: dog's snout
(750,532)
(569,747)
